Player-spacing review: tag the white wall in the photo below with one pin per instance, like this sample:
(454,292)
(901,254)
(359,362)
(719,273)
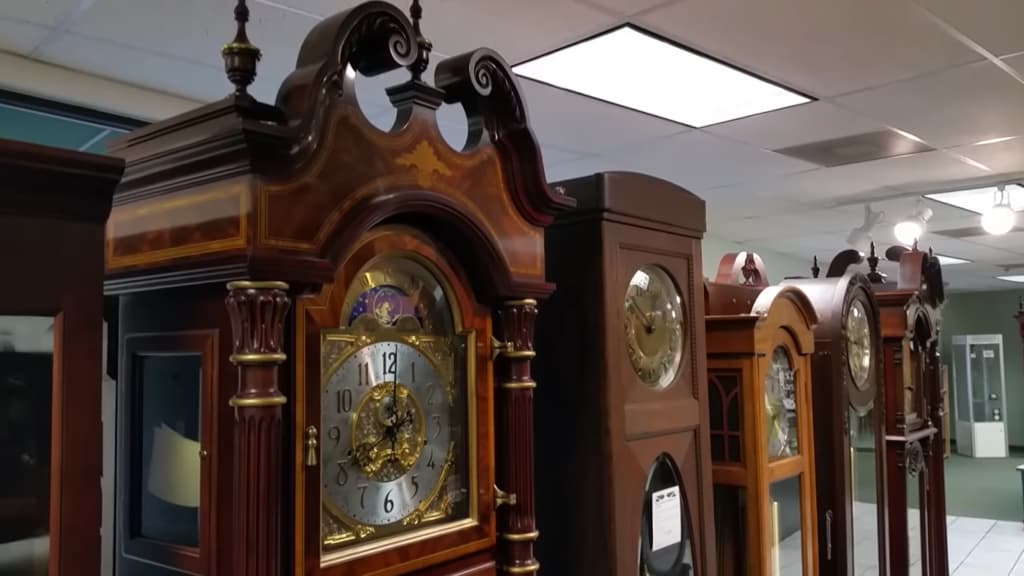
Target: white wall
(778,265)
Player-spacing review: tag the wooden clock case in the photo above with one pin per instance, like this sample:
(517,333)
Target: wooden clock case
(600,429)
(287,202)
(747,321)
(910,314)
(835,395)
(53,209)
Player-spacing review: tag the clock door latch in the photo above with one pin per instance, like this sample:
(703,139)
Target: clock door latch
(311,446)
(508,350)
(503,498)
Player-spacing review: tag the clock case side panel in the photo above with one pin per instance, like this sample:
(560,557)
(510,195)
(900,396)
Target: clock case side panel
(572,439)
(450,551)
(177,319)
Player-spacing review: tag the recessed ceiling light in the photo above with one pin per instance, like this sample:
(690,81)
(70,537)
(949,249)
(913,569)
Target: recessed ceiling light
(636,69)
(979,200)
(950,260)
(993,140)
(1016,278)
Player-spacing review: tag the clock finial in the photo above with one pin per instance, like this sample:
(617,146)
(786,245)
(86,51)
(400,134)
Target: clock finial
(873,274)
(240,56)
(914,247)
(815,270)
(423,46)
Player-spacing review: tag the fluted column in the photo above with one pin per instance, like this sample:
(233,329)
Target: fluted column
(517,529)
(257,311)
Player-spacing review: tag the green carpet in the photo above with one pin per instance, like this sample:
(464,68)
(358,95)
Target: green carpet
(975,487)
(984,487)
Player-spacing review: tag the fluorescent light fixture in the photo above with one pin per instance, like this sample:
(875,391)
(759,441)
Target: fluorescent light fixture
(979,200)
(636,69)
(950,260)
(1015,278)
(993,140)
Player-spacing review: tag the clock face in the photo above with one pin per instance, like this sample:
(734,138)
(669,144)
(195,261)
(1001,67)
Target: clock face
(655,326)
(858,343)
(780,406)
(388,417)
(393,410)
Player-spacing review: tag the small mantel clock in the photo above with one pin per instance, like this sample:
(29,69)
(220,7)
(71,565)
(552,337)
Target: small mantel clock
(849,447)
(910,314)
(363,404)
(54,205)
(625,405)
(760,340)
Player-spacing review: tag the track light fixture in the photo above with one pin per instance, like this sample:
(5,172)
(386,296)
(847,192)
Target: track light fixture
(1000,218)
(910,229)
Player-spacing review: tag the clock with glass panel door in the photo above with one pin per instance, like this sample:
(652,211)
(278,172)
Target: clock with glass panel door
(395,381)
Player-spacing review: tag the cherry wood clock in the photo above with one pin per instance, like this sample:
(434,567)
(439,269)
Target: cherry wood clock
(54,205)
(910,314)
(327,328)
(849,448)
(624,403)
(760,340)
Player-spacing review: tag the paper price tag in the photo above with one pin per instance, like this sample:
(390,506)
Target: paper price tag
(666,518)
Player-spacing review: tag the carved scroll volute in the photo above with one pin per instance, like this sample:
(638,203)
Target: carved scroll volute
(517,529)
(257,311)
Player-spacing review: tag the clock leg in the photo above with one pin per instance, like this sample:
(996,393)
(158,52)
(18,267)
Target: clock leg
(257,311)
(517,529)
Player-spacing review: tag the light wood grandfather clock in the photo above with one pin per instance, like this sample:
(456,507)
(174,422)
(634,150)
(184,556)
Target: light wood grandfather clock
(624,403)
(759,344)
(54,205)
(326,328)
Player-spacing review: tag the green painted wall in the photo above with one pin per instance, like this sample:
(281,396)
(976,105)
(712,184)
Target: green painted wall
(989,313)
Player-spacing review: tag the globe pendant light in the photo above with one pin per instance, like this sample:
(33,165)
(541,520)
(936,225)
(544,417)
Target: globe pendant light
(1000,218)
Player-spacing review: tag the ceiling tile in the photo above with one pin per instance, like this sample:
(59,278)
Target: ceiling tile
(20,37)
(517,30)
(960,106)
(914,173)
(993,24)
(698,161)
(627,7)
(1011,244)
(1005,157)
(796,125)
(47,13)
(574,122)
(137,67)
(825,48)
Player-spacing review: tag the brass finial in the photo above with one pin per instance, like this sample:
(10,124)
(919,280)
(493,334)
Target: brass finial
(423,46)
(914,247)
(814,268)
(240,56)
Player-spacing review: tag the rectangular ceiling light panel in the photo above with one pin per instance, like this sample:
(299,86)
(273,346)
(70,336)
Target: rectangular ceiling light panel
(633,68)
(978,200)
(1019,278)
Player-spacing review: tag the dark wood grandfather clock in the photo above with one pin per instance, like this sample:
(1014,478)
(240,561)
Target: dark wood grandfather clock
(910,313)
(849,448)
(383,424)
(53,208)
(624,404)
(759,344)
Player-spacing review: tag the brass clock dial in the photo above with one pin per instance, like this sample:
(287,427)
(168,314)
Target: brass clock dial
(780,406)
(655,326)
(393,407)
(858,343)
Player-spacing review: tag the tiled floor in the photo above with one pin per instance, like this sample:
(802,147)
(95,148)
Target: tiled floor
(980,547)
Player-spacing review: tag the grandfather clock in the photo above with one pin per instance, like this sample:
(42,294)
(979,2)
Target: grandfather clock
(760,340)
(622,419)
(53,208)
(910,313)
(326,328)
(849,448)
